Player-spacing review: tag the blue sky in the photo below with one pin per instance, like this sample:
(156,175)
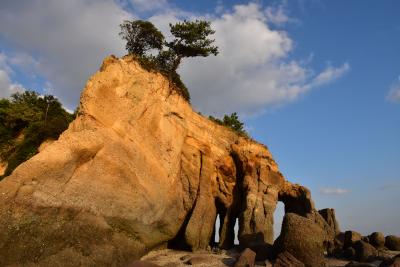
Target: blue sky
(317,81)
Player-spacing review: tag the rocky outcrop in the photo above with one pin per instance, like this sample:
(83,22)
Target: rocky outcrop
(377,239)
(392,242)
(329,216)
(302,238)
(364,251)
(350,237)
(138,169)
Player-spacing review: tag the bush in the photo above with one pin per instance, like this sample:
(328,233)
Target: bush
(231,121)
(26,120)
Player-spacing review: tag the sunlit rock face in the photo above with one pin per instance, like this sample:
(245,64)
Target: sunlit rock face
(136,170)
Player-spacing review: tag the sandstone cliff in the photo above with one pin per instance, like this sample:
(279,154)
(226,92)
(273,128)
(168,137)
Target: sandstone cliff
(139,169)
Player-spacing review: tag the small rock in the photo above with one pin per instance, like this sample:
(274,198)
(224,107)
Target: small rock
(377,239)
(350,237)
(246,258)
(392,242)
(285,259)
(364,251)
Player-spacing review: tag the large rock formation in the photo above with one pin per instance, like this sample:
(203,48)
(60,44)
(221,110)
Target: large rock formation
(302,238)
(139,169)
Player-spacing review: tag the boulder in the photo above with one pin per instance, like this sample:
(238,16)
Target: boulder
(392,242)
(349,253)
(364,252)
(302,238)
(377,239)
(297,199)
(246,258)
(285,259)
(330,217)
(350,237)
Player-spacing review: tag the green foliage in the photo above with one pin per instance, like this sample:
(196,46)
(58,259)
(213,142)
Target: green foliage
(231,121)
(190,40)
(26,120)
(141,36)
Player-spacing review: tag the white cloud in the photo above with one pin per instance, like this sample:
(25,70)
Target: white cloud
(252,71)
(67,40)
(7,87)
(394,93)
(333,191)
(148,5)
(276,14)
(330,74)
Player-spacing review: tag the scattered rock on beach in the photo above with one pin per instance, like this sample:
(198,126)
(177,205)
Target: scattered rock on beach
(365,252)
(246,258)
(392,242)
(350,237)
(377,239)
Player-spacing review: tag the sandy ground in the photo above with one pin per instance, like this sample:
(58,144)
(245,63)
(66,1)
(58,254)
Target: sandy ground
(174,258)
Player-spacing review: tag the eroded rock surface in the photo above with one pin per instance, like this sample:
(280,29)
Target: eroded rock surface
(136,170)
(302,238)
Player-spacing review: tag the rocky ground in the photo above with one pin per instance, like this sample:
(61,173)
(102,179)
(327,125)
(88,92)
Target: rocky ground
(172,258)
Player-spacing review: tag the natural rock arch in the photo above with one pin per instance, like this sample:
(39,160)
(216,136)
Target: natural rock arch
(151,172)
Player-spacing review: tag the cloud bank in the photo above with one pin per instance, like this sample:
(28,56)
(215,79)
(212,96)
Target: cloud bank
(67,40)
(253,70)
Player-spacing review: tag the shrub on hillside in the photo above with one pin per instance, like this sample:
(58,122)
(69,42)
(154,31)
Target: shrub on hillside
(26,120)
